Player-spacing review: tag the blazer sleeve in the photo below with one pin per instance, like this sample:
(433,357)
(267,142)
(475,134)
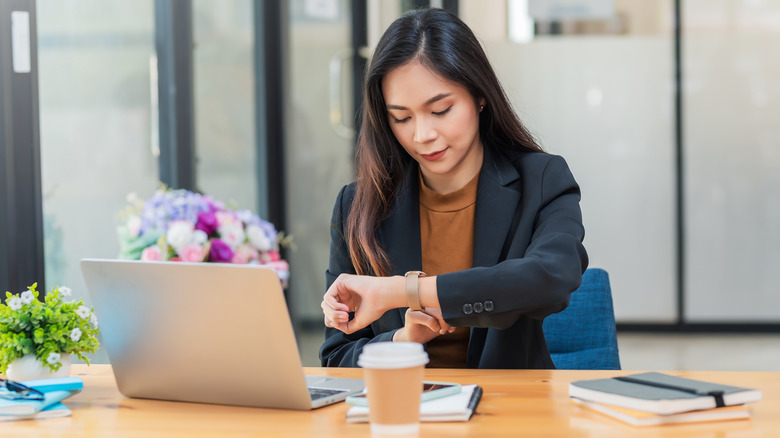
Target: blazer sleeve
(544,263)
(340,349)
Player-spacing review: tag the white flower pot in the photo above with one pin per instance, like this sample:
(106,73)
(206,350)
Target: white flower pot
(28,367)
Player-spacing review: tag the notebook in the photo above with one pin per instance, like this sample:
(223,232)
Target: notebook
(661,393)
(203,332)
(457,407)
(642,418)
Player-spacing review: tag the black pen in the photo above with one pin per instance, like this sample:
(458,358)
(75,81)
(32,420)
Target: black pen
(476,396)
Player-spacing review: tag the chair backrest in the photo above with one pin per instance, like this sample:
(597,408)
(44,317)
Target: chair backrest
(583,336)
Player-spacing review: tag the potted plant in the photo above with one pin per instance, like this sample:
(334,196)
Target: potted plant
(38,337)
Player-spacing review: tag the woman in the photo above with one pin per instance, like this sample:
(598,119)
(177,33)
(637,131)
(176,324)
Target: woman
(449,184)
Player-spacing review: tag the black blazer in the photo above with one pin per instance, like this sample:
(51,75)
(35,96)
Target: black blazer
(528,258)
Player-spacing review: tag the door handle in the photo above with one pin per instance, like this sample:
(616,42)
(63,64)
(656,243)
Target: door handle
(154,110)
(335,87)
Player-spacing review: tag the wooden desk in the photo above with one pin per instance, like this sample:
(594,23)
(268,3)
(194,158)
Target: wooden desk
(529,403)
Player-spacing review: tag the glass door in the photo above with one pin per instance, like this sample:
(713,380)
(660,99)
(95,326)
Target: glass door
(224,106)
(95,127)
(320,141)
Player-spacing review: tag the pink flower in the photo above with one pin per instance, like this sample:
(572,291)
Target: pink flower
(270,256)
(244,254)
(282,270)
(192,252)
(152,253)
(279,266)
(134,225)
(227,218)
(239,258)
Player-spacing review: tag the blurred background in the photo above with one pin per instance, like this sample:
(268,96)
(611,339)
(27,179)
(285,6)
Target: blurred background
(666,111)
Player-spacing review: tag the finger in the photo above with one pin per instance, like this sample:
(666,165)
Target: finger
(333,315)
(422,318)
(436,313)
(437,324)
(334,303)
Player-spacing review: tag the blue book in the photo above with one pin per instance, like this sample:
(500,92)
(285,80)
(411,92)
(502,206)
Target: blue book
(56,410)
(58,384)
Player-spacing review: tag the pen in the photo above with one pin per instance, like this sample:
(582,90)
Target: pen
(476,396)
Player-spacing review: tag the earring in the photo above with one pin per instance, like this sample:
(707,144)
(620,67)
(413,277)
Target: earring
(481,107)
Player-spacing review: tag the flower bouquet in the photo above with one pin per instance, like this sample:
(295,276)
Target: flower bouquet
(49,330)
(180,225)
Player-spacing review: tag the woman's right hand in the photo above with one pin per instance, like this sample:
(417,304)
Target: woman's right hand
(368,297)
(422,326)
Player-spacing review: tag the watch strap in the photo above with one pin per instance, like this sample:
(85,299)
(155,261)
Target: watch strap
(413,289)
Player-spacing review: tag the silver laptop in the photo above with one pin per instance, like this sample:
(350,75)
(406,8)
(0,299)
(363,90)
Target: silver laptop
(203,332)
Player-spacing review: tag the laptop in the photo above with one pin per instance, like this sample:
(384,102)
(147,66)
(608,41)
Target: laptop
(203,332)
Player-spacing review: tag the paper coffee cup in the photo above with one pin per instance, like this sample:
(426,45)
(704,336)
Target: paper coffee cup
(393,372)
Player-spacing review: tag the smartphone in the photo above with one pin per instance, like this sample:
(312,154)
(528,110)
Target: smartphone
(431,390)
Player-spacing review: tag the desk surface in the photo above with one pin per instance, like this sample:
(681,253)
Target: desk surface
(529,403)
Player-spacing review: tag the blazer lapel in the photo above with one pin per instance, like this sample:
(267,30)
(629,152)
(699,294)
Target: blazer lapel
(497,202)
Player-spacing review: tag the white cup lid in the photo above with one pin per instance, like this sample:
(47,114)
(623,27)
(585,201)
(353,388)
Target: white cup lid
(389,355)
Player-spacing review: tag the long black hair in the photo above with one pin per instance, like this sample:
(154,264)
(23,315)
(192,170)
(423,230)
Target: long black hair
(441,42)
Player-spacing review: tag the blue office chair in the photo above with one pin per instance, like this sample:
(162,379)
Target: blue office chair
(583,336)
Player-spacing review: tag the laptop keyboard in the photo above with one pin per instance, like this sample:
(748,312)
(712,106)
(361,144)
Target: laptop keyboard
(318,393)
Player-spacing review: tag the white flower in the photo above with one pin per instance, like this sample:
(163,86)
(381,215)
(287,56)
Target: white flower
(258,238)
(199,237)
(75,334)
(27,297)
(232,235)
(65,291)
(53,358)
(179,233)
(93,320)
(15,303)
(83,311)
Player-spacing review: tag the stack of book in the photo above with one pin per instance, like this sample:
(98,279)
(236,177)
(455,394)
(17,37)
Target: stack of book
(457,407)
(654,398)
(54,392)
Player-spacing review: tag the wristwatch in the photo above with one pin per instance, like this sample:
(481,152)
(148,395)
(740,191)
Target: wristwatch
(413,289)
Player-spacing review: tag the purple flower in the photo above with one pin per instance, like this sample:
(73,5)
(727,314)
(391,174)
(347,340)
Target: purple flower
(220,251)
(207,222)
(167,206)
